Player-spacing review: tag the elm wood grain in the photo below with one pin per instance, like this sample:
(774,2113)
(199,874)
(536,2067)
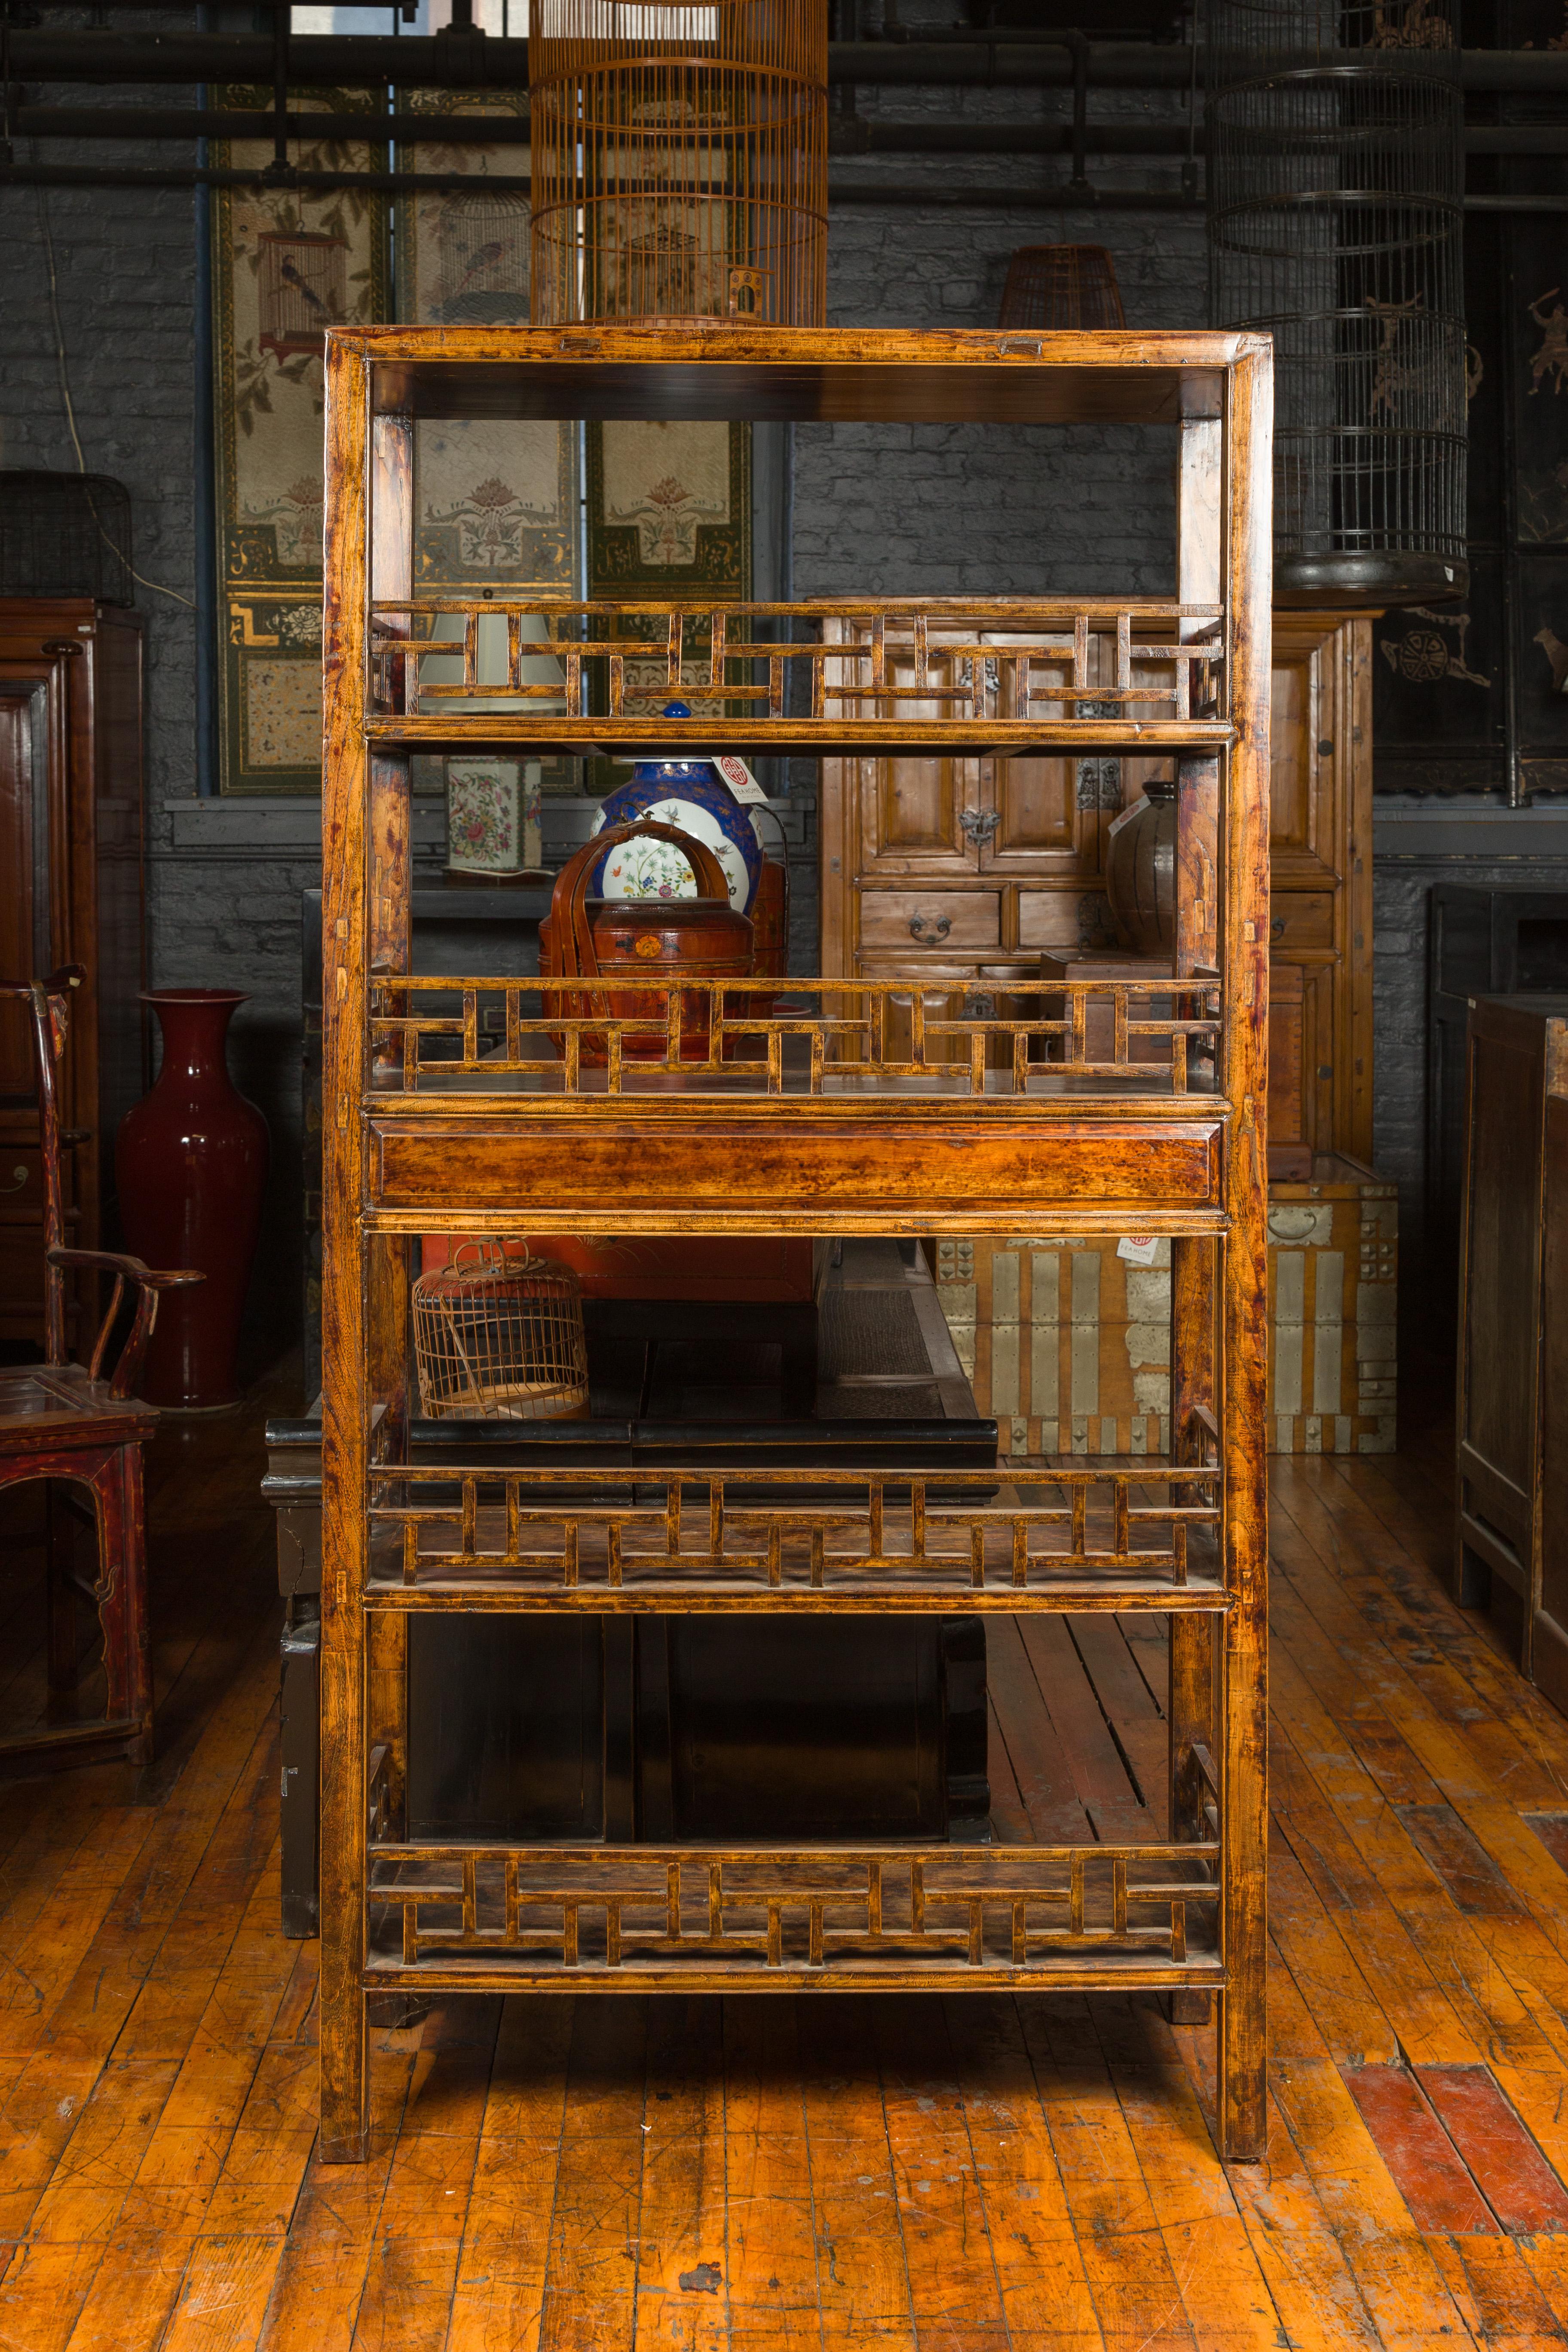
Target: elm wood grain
(844,374)
(1243,1290)
(1190,1720)
(507,736)
(344,1434)
(732,1173)
(1244,366)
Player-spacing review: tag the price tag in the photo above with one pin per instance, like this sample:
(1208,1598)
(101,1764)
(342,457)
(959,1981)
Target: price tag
(1138,1249)
(738,776)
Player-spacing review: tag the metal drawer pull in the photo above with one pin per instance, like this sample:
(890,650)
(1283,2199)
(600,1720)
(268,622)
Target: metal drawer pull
(928,932)
(978,824)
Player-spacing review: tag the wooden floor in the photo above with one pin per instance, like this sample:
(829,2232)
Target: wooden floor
(966,2173)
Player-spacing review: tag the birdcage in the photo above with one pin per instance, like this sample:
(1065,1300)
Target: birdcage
(1061,286)
(498,1338)
(302,289)
(679,160)
(1336,222)
(65,535)
(481,237)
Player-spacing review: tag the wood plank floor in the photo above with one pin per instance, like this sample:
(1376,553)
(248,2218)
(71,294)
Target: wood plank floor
(970,2173)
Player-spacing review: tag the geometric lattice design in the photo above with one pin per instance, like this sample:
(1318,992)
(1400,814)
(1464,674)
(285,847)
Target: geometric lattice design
(894,659)
(770,1538)
(828,1915)
(823,1036)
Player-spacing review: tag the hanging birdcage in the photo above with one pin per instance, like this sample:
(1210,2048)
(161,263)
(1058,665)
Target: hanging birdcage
(303,288)
(679,160)
(498,1338)
(1336,222)
(482,240)
(1061,286)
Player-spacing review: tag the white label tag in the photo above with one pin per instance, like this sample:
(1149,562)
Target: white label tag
(1138,1249)
(738,776)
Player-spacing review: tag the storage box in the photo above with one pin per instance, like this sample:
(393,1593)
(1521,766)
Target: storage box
(1333,1267)
(1065,1342)
(1069,1343)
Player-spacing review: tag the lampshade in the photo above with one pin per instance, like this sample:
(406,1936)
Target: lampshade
(535,669)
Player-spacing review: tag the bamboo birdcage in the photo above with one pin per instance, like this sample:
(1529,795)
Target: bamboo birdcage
(1059,286)
(679,160)
(498,1338)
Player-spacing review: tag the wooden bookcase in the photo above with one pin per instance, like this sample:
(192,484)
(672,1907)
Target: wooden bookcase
(860,1104)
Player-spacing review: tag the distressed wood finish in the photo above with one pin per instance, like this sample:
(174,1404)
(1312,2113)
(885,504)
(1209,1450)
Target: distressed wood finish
(906,1112)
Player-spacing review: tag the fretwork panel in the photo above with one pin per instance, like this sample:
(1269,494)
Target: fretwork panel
(775,1538)
(893,658)
(633,1910)
(822,1037)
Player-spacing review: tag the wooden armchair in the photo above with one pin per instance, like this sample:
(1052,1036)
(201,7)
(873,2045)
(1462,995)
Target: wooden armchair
(84,1425)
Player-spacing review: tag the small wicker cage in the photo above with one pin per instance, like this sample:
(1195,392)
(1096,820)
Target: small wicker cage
(1059,287)
(679,160)
(500,1339)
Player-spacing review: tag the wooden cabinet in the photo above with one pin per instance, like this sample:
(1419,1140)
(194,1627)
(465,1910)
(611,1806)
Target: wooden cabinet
(1512,1463)
(70,854)
(982,864)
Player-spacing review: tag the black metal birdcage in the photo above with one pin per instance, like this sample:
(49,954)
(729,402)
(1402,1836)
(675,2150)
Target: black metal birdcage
(1336,217)
(65,535)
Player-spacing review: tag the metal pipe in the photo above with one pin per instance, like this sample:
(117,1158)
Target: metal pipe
(464,58)
(848,134)
(942,195)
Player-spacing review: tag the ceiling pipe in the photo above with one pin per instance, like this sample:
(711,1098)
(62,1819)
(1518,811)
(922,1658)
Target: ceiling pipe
(463,58)
(892,194)
(849,135)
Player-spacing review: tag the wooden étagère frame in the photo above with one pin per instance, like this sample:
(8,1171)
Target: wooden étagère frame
(461,1104)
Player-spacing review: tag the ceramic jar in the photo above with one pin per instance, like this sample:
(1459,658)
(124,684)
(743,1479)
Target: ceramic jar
(191,1164)
(1140,872)
(693,795)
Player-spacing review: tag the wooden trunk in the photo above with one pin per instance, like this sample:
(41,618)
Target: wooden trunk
(1069,1343)
(71,859)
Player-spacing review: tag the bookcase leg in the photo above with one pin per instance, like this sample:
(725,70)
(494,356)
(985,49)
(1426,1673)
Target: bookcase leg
(345,2074)
(1243,2006)
(1191,1724)
(1190,1714)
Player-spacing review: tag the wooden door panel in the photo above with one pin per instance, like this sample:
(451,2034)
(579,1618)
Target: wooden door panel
(910,811)
(1308,750)
(1301,918)
(1498,1341)
(18,947)
(1035,805)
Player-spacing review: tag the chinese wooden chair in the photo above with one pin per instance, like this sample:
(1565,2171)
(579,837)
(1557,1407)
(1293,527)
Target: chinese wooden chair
(64,1422)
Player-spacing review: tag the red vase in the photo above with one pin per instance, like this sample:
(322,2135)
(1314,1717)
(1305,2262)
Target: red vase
(191,1162)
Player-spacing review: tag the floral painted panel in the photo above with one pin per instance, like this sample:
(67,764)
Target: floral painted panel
(670,514)
(287,264)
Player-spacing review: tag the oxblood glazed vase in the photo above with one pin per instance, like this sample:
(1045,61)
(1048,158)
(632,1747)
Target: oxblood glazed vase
(191,1163)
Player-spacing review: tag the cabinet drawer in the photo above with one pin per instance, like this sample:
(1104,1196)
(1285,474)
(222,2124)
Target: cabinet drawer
(1055,918)
(941,920)
(1301,918)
